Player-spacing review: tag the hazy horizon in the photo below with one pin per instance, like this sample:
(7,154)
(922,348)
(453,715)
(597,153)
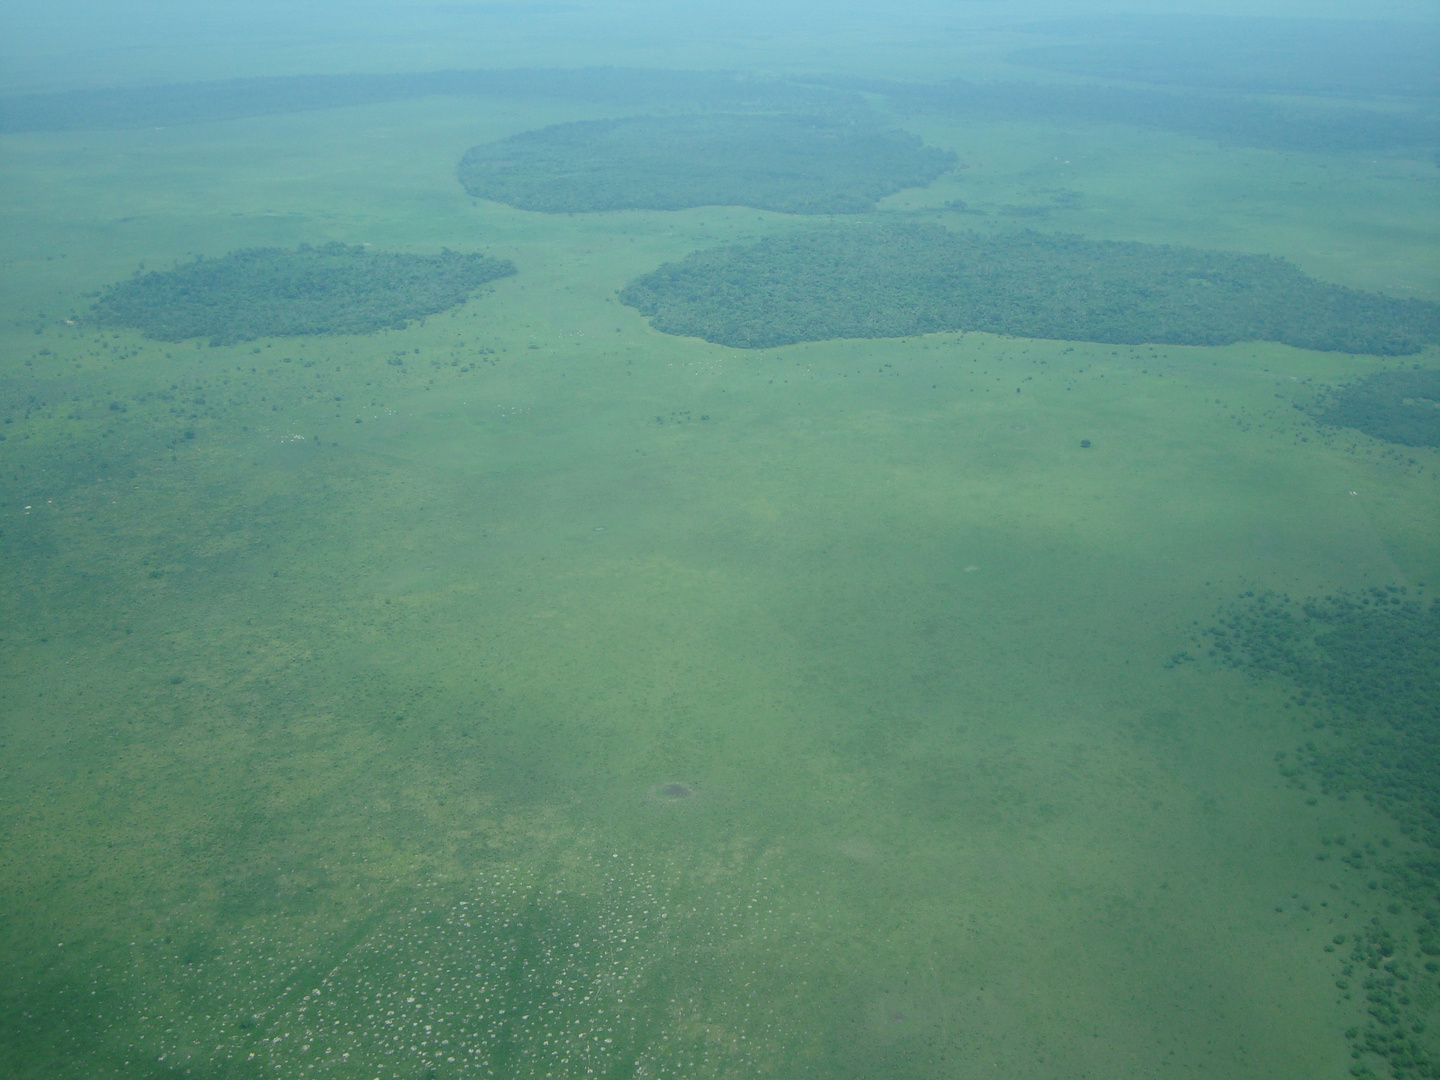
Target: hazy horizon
(68,45)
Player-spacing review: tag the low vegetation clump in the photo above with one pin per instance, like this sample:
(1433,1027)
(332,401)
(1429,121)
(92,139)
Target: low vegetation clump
(872,281)
(277,292)
(1396,406)
(1365,672)
(791,164)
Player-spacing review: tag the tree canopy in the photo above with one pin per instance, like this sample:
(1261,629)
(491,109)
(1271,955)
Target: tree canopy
(793,164)
(1367,667)
(867,281)
(276,292)
(1396,406)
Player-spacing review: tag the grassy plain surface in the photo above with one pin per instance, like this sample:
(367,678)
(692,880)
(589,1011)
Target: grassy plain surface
(364,690)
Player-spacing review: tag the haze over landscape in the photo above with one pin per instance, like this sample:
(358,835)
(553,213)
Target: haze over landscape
(605,539)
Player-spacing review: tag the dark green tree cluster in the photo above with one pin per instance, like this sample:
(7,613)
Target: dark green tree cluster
(276,292)
(1368,667)
(793,164)
(1376,658)
(1396,406)
(869,281)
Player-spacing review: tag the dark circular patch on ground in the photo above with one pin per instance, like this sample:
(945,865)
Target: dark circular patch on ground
(898,279)
(793,164)
(1394,406)
(276,292)
(674,792)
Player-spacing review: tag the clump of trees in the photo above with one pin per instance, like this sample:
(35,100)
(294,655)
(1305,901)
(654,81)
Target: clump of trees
(792,164)
(1396,406)
(1367,666)
(278,292)
(870,281)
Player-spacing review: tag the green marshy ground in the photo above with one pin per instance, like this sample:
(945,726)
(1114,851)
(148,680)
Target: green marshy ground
(276,707)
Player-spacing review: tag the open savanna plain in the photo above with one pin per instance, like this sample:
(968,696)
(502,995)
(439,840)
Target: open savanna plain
(528,693)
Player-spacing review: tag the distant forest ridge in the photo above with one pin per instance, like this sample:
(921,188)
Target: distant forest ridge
(1349,57)
(1225,117)
(876,281)
(204,102)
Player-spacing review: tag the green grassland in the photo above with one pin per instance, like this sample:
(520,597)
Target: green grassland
(343,674)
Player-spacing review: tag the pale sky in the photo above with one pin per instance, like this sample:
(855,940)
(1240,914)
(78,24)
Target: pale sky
(57,44)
